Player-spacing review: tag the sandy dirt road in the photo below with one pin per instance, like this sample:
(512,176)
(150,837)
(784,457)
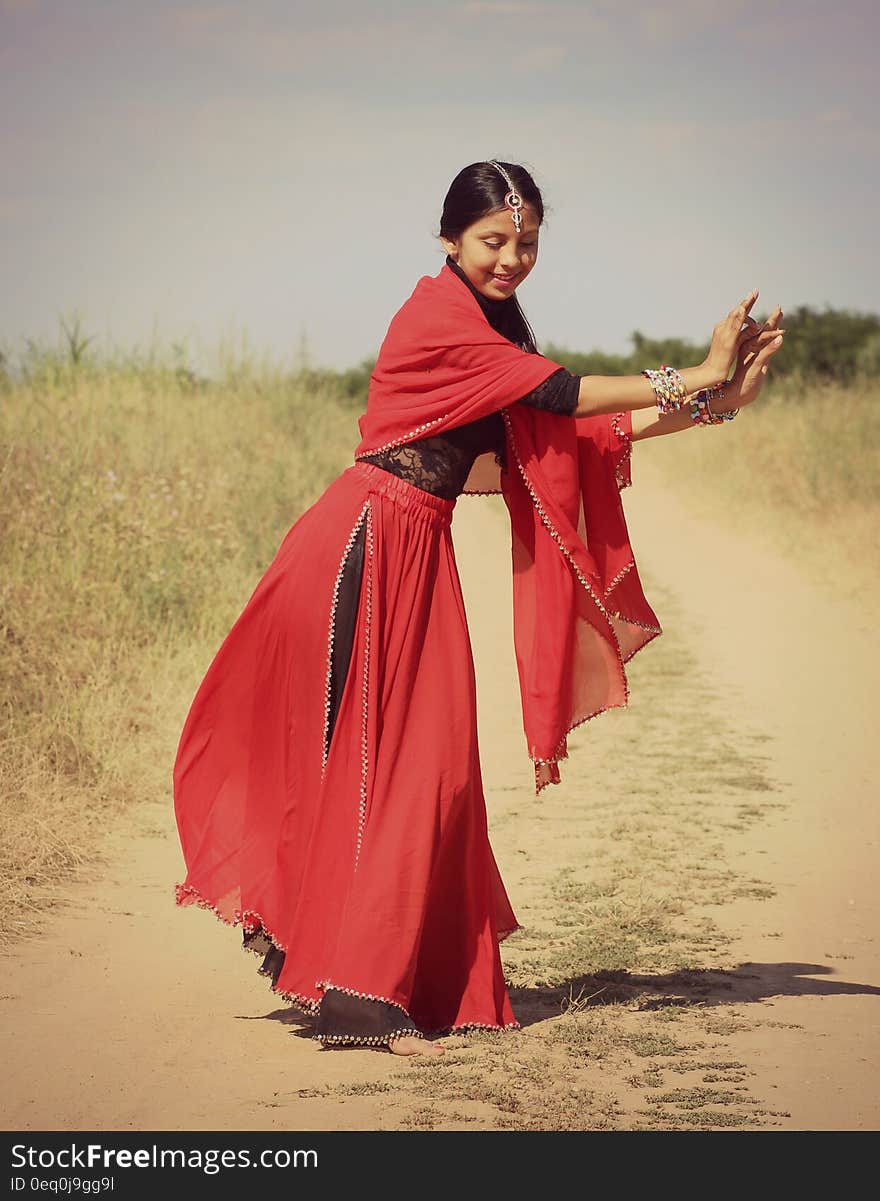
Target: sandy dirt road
(803,665)
(127,1013)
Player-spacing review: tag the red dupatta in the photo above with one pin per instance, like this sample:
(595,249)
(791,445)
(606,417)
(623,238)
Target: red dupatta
(579,612)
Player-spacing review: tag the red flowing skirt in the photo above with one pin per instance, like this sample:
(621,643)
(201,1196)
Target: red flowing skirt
(359,846)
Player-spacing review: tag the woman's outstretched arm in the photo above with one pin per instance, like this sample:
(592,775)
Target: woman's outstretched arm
(646,424)
(753,359)
(629,393)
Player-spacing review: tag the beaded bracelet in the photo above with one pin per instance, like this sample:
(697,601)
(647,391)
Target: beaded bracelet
(678,384)
(701,410)
(663,390)
(669,388)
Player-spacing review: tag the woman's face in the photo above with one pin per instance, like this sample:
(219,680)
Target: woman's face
(494,257)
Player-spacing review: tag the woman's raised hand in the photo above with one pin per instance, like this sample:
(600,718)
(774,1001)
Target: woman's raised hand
(753,359)
(728,335)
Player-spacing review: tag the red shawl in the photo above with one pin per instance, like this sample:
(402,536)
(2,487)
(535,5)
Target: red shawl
(579,612)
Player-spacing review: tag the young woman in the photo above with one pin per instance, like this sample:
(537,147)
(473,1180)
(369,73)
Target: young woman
(327,784)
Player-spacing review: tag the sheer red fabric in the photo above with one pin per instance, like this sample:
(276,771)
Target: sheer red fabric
(579,609)
(336,814)
(365,858)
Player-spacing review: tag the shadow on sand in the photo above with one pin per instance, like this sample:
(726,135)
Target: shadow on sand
(704,987)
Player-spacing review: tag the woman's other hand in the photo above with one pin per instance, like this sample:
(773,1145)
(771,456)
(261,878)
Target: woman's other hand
(728,336)
(753,359)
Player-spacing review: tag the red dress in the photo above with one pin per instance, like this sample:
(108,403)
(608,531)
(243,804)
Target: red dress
(327,783)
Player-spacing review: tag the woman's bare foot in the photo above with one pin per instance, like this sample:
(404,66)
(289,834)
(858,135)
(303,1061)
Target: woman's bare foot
(407,1044)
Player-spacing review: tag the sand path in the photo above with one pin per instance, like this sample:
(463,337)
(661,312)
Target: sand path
(128,1013)
(803,665)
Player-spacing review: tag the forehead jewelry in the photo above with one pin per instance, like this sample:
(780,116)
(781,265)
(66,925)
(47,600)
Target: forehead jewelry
(513,200)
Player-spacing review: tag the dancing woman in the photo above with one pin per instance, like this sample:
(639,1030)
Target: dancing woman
(327,783)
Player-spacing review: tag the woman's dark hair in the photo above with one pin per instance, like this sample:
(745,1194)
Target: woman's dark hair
(477,191)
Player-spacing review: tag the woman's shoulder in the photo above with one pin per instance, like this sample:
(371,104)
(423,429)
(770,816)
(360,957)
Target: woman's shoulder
(444,285)
(437,307)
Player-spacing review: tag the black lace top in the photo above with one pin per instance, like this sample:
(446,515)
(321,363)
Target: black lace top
(441,463)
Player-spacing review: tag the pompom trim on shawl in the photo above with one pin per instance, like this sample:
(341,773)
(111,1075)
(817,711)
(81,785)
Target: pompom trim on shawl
(551,762)
(443,362)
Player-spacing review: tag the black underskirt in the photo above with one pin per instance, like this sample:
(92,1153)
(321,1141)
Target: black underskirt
(343,1017)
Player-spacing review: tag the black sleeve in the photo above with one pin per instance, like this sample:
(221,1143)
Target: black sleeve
(557,394)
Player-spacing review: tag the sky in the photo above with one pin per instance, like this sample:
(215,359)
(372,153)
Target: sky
(271,173)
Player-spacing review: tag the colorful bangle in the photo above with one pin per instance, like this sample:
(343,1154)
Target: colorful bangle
(662,390)
(678,385)
(701,407)
(669,388)
(724,414)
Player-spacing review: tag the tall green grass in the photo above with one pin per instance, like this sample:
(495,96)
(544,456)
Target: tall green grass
(139,507)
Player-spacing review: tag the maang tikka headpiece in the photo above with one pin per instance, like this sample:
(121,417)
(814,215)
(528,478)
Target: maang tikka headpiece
(513,200)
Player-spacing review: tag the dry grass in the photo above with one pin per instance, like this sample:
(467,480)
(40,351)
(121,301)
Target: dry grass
(138,509)
(800,469)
